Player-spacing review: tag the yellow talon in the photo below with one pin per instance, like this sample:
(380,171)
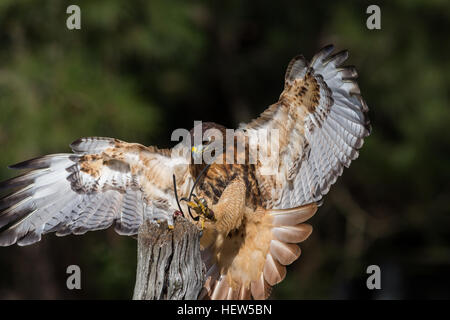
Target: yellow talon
(192,204)
(202,221)
(201,208)
(170,226)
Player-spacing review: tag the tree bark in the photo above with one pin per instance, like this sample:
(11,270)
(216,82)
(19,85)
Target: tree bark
(169,265)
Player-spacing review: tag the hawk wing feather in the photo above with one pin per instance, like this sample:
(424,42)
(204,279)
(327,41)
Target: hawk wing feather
(104,182)
(261,261)
(322,120)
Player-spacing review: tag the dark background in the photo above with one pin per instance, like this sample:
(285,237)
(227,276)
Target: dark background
(137,70)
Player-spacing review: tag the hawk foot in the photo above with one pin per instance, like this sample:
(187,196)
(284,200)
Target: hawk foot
(200,206)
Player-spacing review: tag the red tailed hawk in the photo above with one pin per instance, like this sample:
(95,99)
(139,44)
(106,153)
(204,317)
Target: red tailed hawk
(252,220)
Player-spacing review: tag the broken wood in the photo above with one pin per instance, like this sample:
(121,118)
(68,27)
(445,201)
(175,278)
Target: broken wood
(169,265)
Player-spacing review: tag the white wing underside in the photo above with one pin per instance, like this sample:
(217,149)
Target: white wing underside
(315,145)
(115,187)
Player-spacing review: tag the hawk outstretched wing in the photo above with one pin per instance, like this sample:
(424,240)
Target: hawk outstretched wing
(322,122)
(104,181)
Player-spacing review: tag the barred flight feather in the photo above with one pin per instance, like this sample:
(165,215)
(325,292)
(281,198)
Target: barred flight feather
(91,189)
(323,103)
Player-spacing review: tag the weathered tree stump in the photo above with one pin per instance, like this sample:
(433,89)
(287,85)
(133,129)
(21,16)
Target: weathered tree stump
(169,265)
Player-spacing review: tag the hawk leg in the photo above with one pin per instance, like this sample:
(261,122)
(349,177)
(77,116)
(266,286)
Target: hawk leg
(227,214)
(229,210)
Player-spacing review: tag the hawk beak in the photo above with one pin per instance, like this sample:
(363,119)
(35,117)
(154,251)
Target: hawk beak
(197,151)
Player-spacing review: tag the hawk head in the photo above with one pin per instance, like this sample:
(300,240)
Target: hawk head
(207,142)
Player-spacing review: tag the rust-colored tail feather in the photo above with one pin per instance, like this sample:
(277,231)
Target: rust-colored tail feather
(220,291)
(292,234)
(285,253)
(274,272)
(260,288)
(288,228)
(293,216)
